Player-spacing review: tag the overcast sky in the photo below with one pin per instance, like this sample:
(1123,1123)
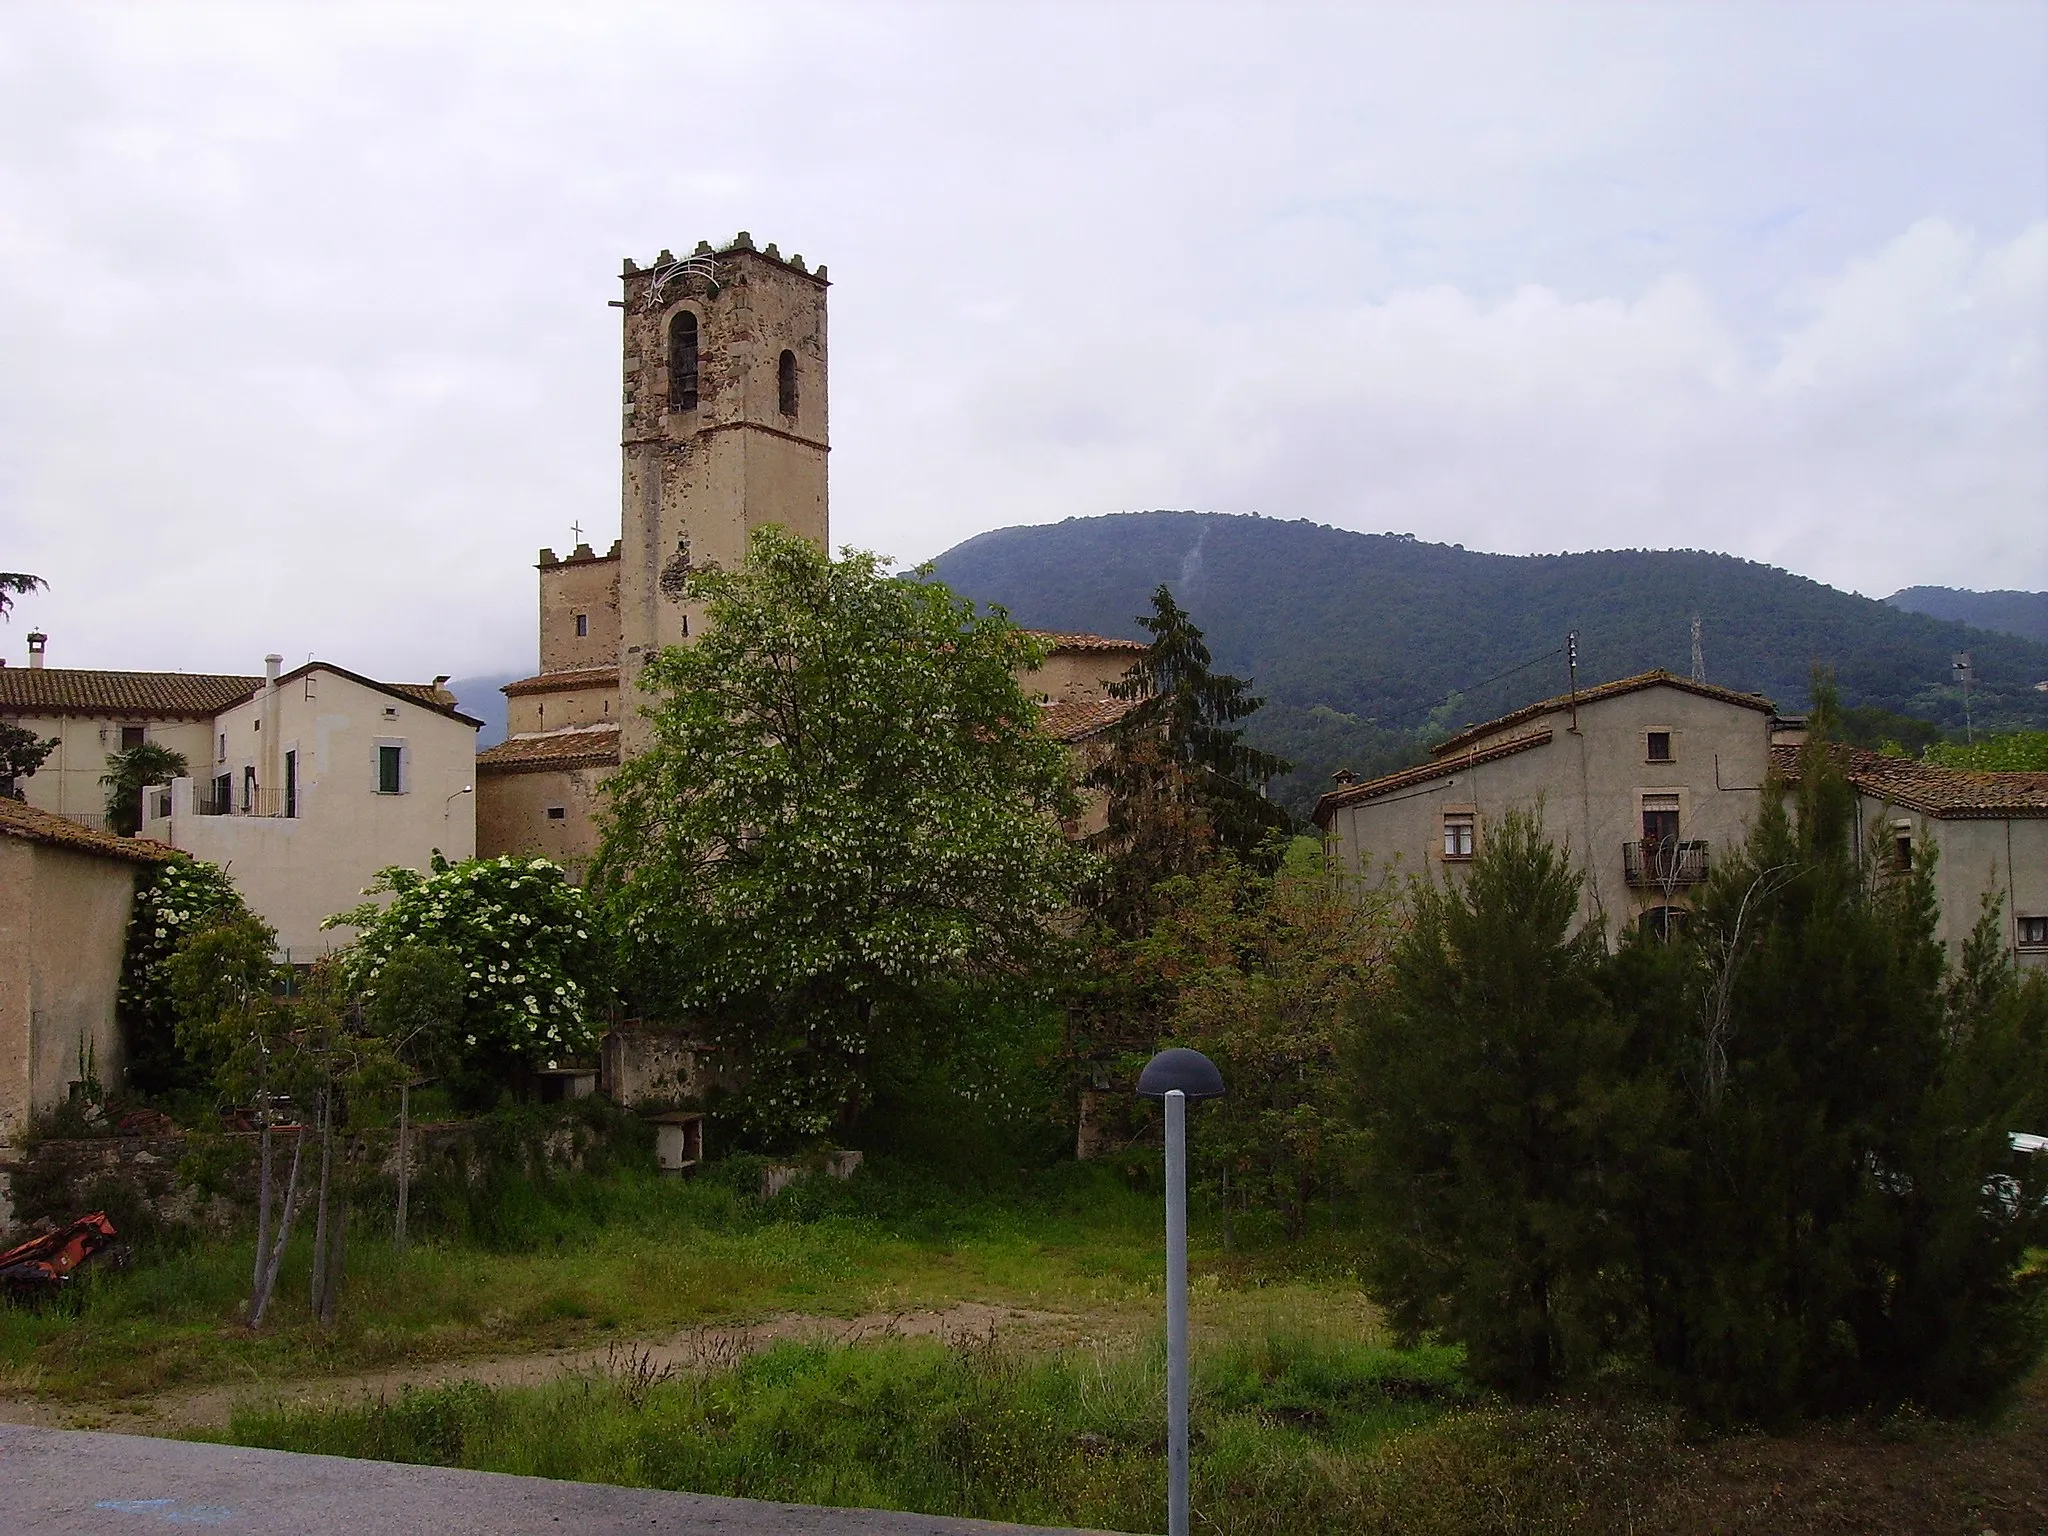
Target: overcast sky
(304,342)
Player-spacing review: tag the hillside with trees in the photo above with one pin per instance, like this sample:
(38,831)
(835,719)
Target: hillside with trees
(1367,646)
(2024,614)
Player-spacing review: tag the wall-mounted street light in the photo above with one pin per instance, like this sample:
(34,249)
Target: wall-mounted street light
(1175,1076)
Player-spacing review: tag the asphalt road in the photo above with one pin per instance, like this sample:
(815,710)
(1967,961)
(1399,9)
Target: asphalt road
(61,1482)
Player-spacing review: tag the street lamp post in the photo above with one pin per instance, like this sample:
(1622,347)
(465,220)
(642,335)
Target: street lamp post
(1175,1076)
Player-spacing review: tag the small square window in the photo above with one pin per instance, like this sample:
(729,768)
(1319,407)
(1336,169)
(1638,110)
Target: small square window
(557,813)
(582,625)
(132,736)
(1658,749)
(2034,933)
(1459,829)
(390,711)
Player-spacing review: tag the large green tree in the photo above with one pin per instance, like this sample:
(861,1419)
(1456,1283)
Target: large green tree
(1829,1232)
(1263,973)
(1765,1161)
(1493,1086)
(1180,781)
(846,805)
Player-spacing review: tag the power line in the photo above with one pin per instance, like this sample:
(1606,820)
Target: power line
(1498,677)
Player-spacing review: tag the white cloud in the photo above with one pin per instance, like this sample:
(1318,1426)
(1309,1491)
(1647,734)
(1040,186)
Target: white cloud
(303,345)
(1891,433)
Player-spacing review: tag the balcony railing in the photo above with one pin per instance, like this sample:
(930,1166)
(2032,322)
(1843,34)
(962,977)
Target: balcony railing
(1660,863)
(207,801)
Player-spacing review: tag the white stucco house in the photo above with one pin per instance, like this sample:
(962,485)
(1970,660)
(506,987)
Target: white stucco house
(316,780)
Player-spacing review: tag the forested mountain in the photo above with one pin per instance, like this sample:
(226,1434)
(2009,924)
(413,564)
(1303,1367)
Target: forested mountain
(481,698)
(1367,645)
(2012,613)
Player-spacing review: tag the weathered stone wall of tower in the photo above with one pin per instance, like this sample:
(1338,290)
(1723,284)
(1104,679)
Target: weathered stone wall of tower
(582,586)
(703,468)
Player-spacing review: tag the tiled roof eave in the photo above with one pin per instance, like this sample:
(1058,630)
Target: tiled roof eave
(1946,794)
(1599,693)
(1423,773)
(585,746)
(546,764)
(38,826)
(564,680)
(31,692)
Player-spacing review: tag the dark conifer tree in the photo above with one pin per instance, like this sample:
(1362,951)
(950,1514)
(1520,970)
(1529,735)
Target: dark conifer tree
(1180,779)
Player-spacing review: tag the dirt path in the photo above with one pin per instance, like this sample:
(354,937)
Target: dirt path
(694,1349)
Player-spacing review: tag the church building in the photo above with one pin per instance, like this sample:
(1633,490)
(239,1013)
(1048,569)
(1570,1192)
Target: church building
(724,430)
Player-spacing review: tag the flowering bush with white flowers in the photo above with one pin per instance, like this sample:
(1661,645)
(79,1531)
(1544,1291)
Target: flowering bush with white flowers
(526,943)
(178,899)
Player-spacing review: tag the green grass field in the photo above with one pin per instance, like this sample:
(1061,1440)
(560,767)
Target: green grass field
(1307,1418)
(525,1266)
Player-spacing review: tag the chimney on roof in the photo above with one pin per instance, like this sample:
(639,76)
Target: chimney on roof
(272,664)
(38,642)
(1345,776)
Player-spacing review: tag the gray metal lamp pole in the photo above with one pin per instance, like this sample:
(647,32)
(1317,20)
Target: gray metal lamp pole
(1175,1076)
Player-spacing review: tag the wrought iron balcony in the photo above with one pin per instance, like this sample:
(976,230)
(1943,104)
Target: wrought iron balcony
(208,801)
(1661,863)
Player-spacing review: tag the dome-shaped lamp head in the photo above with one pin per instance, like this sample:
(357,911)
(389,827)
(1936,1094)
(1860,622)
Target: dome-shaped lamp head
(1178,1067)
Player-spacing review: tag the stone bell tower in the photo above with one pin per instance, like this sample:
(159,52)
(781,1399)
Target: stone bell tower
(724,430)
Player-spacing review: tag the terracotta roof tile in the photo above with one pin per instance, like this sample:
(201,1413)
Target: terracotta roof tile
(579,746)
(1075,720)
(77,691)
(563,679)
(25,821)
(1593,695)
(1062,640)
(1944,793)
(435,698)
(1442,768)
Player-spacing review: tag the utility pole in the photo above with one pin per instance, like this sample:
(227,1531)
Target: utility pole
(1699,660)
(1961,669)
(1571,661)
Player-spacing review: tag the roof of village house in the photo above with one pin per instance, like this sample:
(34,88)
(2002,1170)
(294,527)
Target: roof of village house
(433,695)
(575,746)
(25,821)
(1944,793)
(563,679)
(1598,692)
(1442,768)
(82,691)
(1062,640)
(1071,721)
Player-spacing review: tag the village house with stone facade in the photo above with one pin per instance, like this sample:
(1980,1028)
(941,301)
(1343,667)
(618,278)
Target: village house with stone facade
(1648,781)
